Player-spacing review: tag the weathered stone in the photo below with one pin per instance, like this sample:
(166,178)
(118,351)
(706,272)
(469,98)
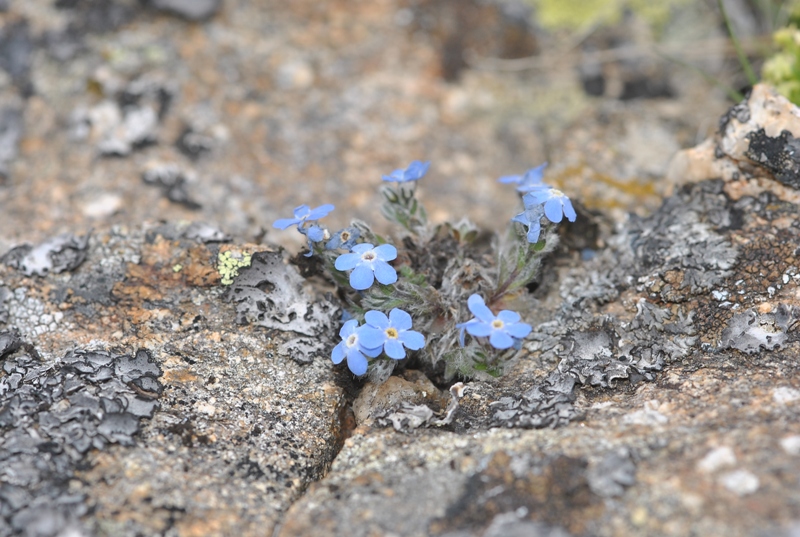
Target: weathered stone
(218,431)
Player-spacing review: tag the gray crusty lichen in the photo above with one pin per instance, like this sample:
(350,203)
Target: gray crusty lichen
(51,416)
(669,270)
(57,254)
(270,294)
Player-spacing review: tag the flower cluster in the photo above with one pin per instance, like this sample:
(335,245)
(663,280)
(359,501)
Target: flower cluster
(439,280)
(303,216)
(504,330)
(539,199)
(391,335)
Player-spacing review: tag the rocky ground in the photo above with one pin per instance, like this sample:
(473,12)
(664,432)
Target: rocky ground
(164,372)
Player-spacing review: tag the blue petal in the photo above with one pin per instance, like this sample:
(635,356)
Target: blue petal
(536,197)
(416,170)
(384,272)
(319,212)
(400,319)
(478,329)
(510,179)
(315,233)
(522,218)
(337,355)
(347,261)
(569,210)
(378,319)
(535,175)
(500,340)
(386,252)
(362,277)
(361,248)
(371,338)
(508,316)
(283,223)
(518,330)
(553,210)
(478,308)
(357,362)
(302,211)
(461,329)
(348,328)
(533,232)
(372,353)
(412,339)
(394,349)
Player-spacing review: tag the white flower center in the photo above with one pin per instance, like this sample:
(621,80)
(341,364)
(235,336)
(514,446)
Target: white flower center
(344,236)
(368,256)
(352,340)
(556,193)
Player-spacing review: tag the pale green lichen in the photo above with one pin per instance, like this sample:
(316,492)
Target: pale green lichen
(582,15)
(782,70)
(229,263)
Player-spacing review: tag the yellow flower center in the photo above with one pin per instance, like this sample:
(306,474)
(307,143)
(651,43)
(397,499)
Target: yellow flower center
(497,323)
(344,235)
(555,192)
(391,333)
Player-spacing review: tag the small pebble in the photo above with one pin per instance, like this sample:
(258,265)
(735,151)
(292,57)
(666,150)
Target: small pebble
(740,482)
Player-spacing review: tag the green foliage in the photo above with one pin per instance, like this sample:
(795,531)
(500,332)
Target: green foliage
(782,70)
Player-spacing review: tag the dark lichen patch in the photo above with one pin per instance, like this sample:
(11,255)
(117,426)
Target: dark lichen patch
(554,490)
(667,265)
(780,155)
(11,129)
(57,254)
(16,54)
(173,183)
(548,404)
(51,416)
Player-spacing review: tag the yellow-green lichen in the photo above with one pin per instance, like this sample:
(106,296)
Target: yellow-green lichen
(782,70)
(229,263)
(582,15)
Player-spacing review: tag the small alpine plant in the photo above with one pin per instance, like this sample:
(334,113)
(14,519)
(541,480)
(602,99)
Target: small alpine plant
(415,307)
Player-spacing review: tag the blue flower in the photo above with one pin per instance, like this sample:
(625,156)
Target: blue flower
(556,204)
(502,330)
(368,263)
(416,170)
(351,348)
(314,234)
(392,333)
(303,214)
(530,180)
(532,218)
(344,238)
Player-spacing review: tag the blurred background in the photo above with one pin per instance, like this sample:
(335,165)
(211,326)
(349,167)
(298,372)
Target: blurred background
(232,112)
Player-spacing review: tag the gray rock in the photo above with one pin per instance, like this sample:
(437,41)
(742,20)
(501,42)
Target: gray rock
(193,10)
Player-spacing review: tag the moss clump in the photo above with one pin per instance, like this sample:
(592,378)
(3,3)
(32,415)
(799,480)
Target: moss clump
(229,263)
(782,70)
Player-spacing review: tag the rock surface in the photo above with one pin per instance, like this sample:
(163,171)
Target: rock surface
(163,371)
